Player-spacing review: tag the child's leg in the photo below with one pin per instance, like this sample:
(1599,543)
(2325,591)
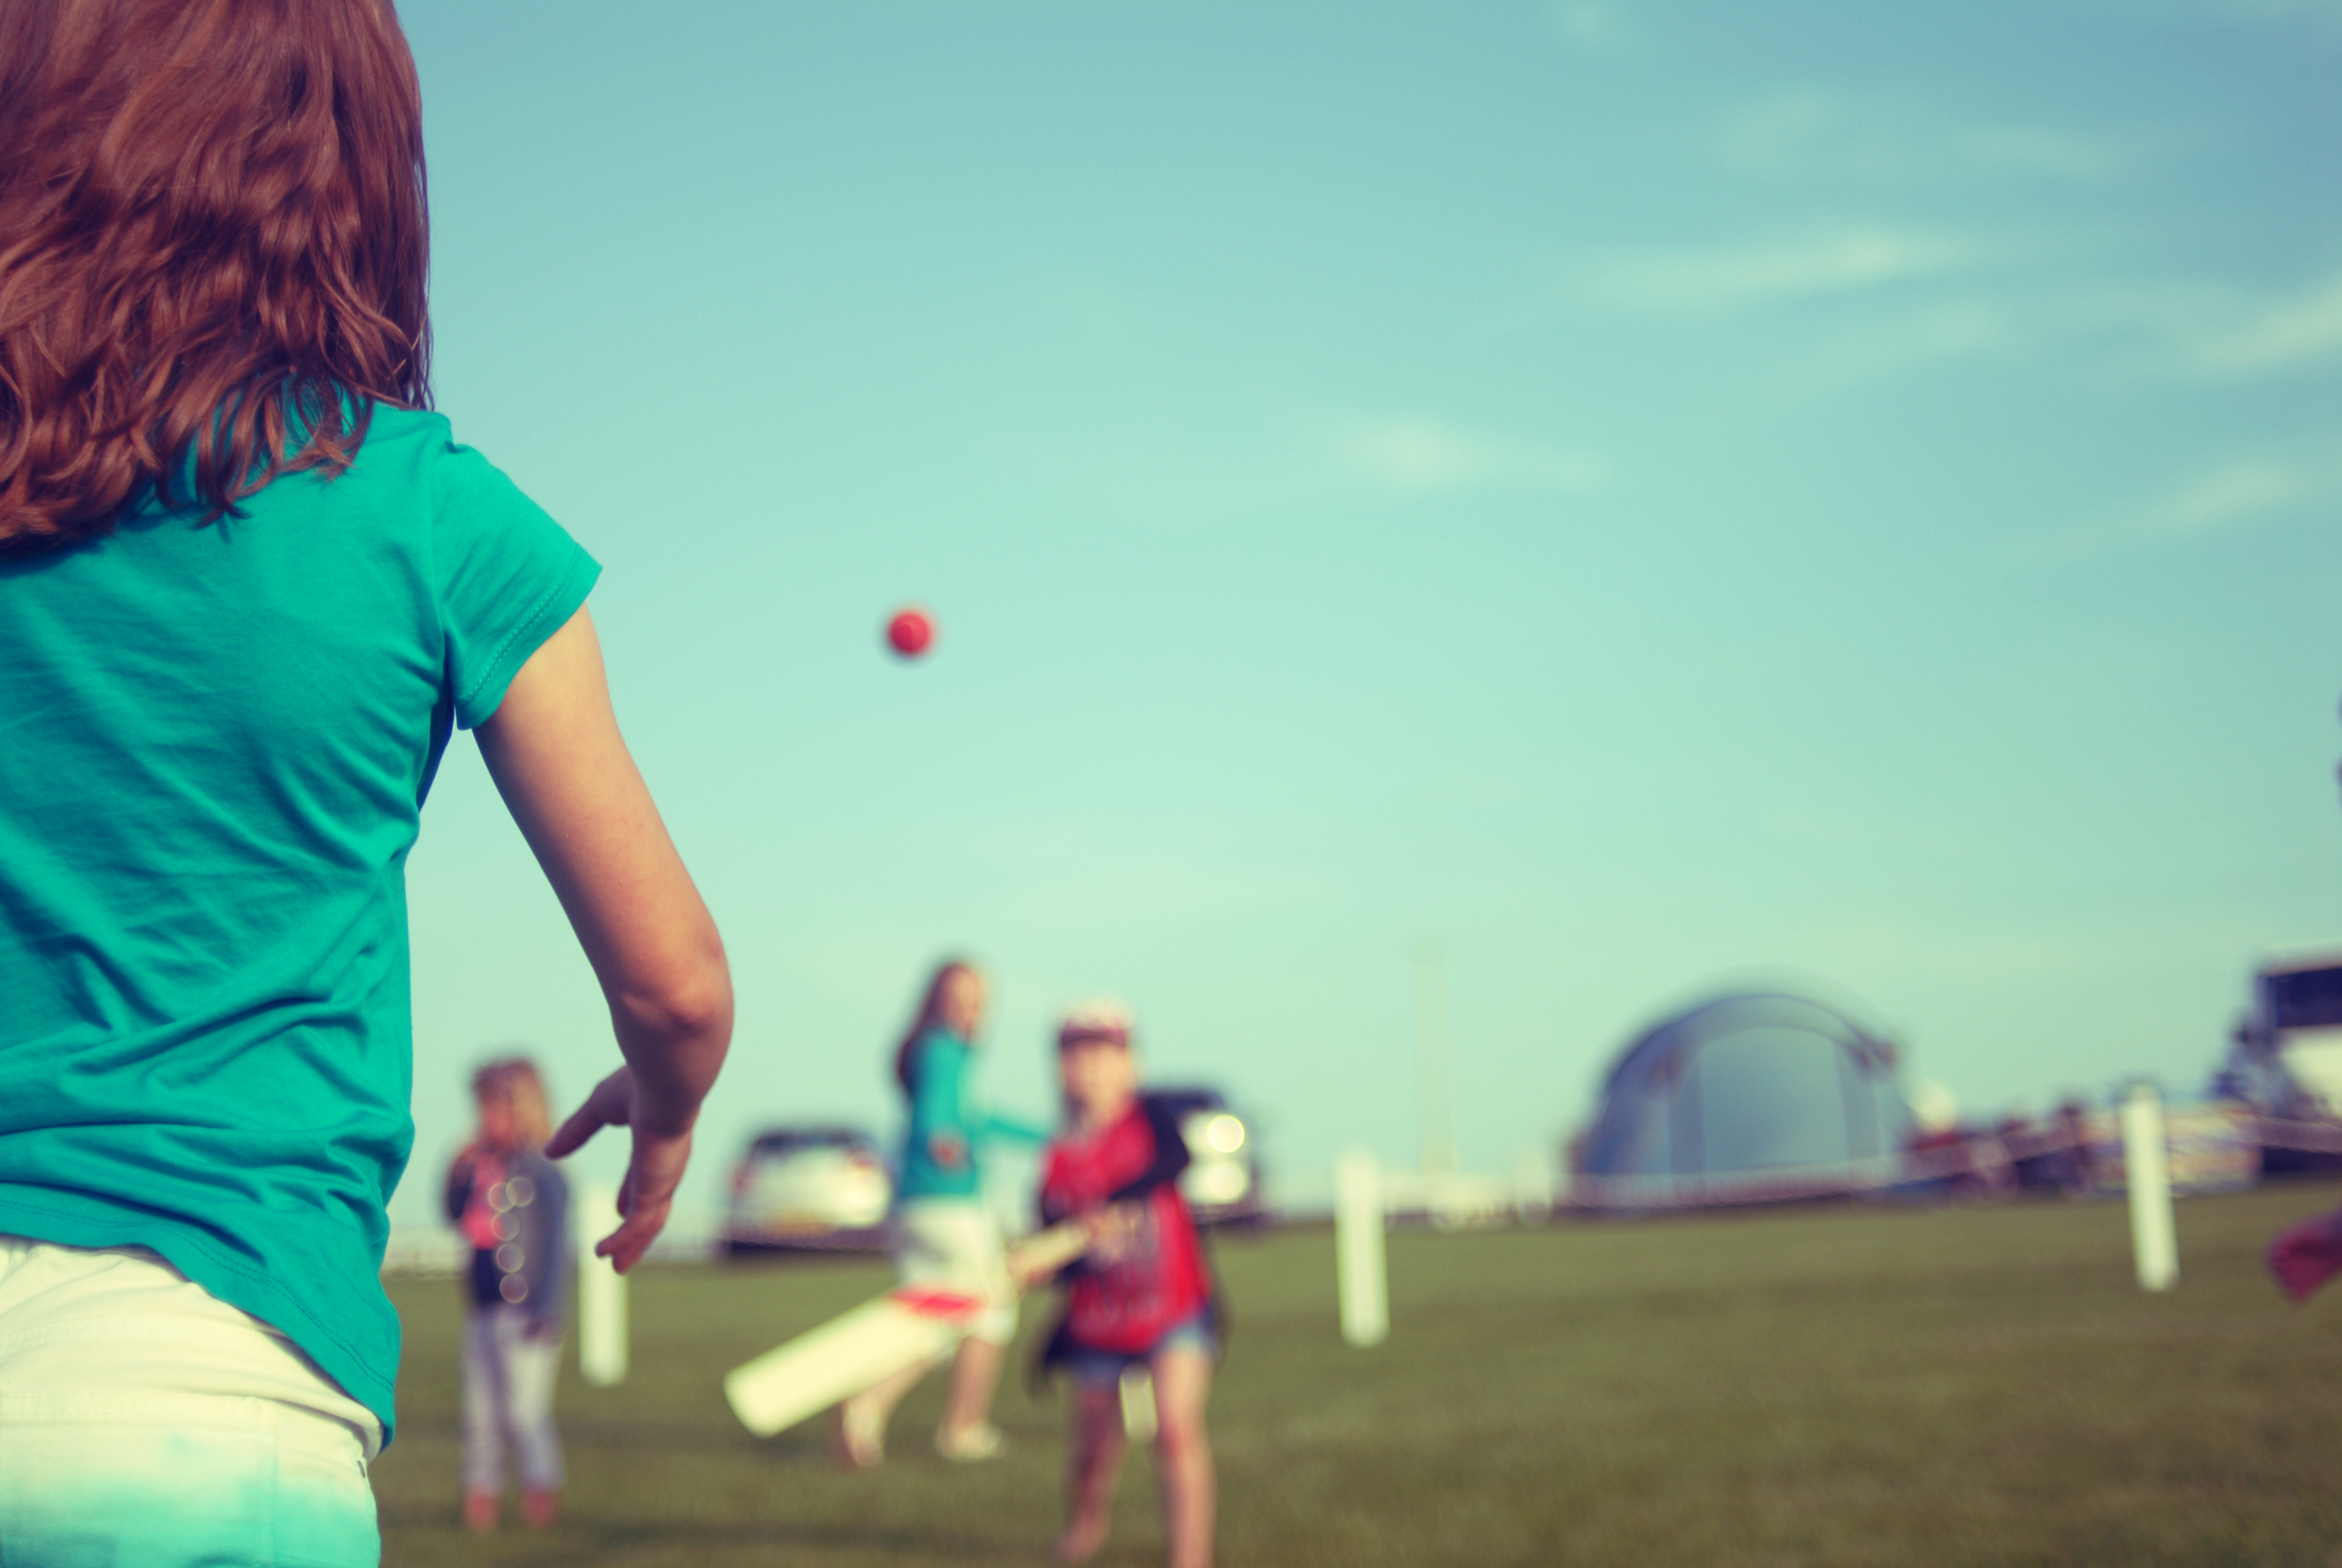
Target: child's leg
(964,1251)
(483,1436)
(1189,1487)
(858,1427)
(532,1364)
(967,1407)
(1094,1457)
(928,1236)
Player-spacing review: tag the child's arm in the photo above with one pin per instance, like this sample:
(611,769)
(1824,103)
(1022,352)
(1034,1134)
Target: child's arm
(554,749)
(1003,1128)
(1054,1209)
(1171,1156)
(552,1309)
(459,1182)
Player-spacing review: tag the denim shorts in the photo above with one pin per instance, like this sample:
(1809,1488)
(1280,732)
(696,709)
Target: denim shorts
(1103,1369)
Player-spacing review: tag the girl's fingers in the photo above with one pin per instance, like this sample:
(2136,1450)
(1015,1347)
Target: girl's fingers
(625,1246)
(611,1104)
(646,1198)
(572,1133)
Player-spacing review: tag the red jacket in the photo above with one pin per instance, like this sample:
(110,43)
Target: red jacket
(1143,1282)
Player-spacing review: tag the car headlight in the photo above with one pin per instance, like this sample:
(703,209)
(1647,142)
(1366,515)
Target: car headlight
(1224,1133)
(1218,1181)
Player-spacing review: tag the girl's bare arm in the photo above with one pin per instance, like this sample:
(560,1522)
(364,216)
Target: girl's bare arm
(553,749)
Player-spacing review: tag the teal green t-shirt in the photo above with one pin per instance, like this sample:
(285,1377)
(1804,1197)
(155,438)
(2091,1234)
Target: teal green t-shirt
(942,1102)
(214,744)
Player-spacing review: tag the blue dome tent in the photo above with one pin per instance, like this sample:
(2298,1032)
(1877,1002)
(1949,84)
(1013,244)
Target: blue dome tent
(1761,1098)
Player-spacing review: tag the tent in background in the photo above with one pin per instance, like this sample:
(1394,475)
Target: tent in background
(1748,1099)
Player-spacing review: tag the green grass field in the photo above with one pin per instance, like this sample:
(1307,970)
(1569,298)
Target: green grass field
(1984,1385)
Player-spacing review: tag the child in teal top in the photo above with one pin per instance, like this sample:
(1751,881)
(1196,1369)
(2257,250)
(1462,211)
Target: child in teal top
(947,1125)
(945,1233)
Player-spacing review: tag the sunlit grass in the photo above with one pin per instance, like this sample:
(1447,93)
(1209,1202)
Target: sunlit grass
(1818,1387)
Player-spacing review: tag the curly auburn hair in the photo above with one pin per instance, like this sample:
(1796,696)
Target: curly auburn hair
(213,247)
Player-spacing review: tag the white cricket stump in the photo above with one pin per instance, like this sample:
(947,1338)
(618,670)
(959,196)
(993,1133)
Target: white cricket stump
(600,1292)
(1138,1404)
(1359,1265)
(2154,1238)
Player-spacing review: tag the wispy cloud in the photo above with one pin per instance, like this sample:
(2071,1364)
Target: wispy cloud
(1781,135)
(1804,134)
(2030,150)
(2236,493)
(1412,452)
(2224,496)
(1733,277)
(2233,336)
(1936,333)
(1585,22)
(2216,333)
(1091,875)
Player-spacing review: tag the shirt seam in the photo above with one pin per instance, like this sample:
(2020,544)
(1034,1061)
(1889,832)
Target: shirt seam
(496,659)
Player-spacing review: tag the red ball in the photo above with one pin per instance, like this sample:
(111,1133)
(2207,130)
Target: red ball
(910,632)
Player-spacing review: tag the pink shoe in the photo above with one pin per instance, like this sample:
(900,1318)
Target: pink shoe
(2305,1256)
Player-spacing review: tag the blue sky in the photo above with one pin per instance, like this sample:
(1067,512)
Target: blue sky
(1642,495)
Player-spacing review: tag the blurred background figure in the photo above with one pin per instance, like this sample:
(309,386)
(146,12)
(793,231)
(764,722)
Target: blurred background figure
(511,1203)
(2305,1255)
(1141,1300)
(945,1233)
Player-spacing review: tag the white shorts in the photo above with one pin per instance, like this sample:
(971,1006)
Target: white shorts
(143,1421)
(954,1243)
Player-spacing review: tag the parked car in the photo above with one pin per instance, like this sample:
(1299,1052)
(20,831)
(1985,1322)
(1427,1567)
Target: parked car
(808,1189)
(1223,1180)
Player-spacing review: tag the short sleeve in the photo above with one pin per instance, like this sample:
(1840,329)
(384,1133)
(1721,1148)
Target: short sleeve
(508,577)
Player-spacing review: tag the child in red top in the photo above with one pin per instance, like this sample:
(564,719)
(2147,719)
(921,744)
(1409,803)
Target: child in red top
(1141,1297)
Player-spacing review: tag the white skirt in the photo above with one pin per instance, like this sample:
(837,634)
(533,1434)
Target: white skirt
(954,1243)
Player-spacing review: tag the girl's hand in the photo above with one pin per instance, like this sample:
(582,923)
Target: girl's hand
(652,1173)
(1113,1232)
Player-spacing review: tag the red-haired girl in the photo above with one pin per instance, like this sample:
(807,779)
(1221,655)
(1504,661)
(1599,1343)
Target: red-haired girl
(250,585)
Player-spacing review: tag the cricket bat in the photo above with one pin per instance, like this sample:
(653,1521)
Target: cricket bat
(860,1348)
